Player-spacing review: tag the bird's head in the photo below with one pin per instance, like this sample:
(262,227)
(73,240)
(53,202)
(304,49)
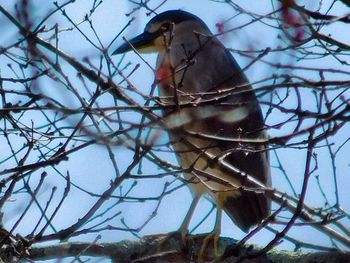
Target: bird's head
(168,28)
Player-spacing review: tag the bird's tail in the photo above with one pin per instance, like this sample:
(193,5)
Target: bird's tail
(247,209)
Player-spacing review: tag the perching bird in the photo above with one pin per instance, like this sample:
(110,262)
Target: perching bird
(212,115)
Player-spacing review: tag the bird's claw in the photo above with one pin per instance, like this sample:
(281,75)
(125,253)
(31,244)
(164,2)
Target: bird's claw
(214,237)
(180,235)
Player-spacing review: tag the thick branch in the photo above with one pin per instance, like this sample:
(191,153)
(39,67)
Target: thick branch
(158,248)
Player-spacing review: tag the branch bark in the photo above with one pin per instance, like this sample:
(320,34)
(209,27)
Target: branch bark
(163,248)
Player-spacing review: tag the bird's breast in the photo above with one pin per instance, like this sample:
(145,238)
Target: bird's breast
(163,73)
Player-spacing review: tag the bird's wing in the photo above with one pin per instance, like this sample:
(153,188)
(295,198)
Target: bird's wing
(226,124)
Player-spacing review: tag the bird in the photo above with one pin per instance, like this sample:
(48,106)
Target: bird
(212,116)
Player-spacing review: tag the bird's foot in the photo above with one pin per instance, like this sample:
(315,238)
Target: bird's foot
(211,237)
(180,236)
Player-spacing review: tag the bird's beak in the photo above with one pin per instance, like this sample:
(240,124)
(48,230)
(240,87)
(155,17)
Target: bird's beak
(143,43)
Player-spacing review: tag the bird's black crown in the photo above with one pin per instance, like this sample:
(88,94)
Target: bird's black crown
(175,16)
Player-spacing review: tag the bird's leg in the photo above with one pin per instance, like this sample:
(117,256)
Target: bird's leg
(183,229)
(186,222)
(213,236)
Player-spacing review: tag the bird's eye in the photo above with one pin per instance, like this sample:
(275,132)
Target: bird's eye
(165,27)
